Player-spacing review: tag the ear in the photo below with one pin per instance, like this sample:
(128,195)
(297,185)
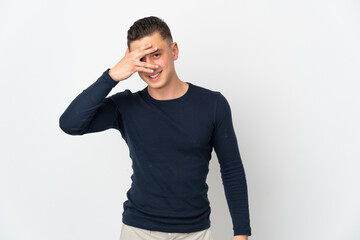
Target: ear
(175,50)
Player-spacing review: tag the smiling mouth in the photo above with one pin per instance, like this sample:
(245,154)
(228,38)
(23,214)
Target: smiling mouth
(154,77)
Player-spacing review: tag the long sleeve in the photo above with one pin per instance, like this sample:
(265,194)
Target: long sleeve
(231,167)
(91,111)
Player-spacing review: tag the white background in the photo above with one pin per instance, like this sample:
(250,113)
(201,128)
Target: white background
(289,69)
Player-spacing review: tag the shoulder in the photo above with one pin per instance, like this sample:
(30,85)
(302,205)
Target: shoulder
(203,89)
(120,98)
(205,92)
(121,95)
(215,96)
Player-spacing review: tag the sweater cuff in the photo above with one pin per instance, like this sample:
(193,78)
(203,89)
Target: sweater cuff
(108,79)
(242,231)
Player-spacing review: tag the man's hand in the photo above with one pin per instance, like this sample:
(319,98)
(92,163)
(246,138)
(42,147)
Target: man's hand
(240,237)
(131,63)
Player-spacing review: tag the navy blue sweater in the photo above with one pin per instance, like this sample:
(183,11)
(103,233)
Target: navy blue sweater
(170,144)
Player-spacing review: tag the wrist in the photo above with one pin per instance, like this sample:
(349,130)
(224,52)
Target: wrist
(240,237)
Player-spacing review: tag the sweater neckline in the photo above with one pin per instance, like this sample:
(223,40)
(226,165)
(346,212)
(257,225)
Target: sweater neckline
(178,99)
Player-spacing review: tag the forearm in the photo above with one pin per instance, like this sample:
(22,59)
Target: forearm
(235,186)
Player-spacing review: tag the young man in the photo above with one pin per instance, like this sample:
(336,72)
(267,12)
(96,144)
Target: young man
(171,128)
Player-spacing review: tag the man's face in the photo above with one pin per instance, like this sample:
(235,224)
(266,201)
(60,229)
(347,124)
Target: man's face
(164,57)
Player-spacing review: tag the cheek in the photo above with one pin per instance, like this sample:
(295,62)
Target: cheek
(161,62)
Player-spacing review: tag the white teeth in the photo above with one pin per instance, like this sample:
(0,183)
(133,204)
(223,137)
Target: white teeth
(154,76)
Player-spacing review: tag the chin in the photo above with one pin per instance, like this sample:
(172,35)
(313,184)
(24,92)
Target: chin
(155,85)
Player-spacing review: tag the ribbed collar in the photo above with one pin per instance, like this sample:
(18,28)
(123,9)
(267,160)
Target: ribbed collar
(179,99)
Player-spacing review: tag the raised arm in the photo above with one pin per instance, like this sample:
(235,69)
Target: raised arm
(231,167)
(91,111)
